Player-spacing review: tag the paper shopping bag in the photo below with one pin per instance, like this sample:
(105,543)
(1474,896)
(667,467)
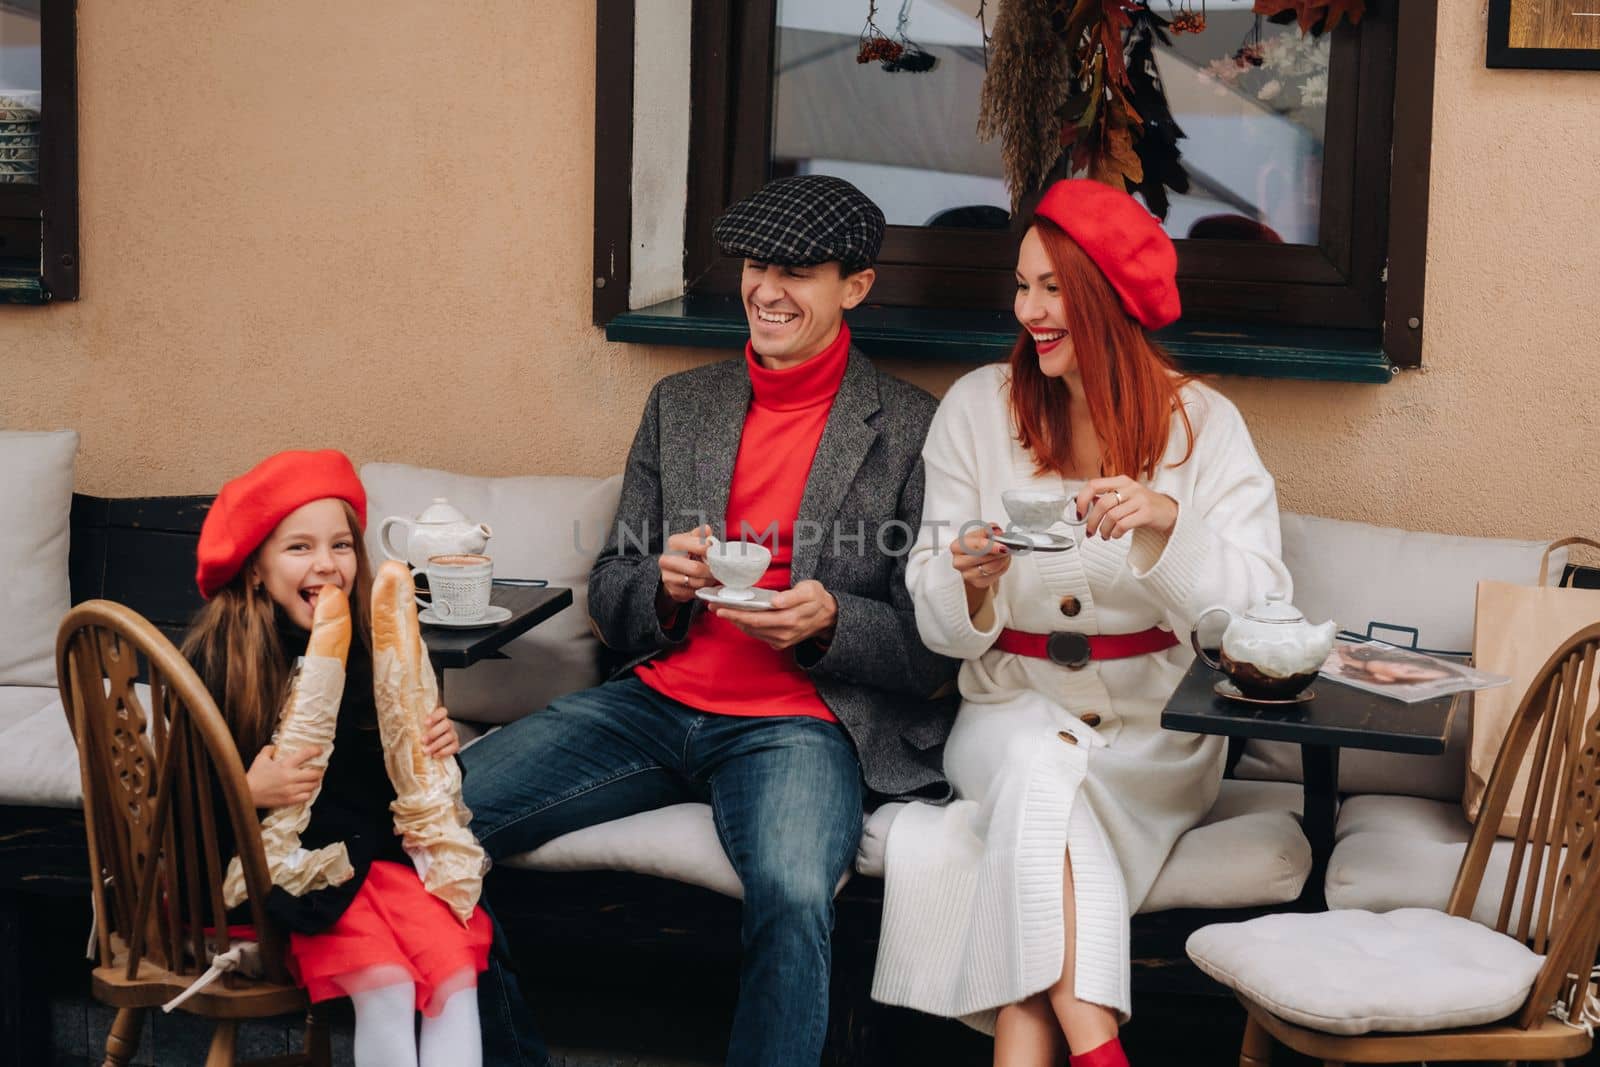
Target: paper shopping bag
(1516,629)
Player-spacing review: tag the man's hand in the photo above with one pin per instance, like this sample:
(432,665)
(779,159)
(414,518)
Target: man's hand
(683,569)
(276,781)
(807,611)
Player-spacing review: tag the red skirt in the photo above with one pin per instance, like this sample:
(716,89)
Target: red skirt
(397,925)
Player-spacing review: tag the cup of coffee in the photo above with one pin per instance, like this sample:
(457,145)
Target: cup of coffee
(1036,510)
(459,586)
(738,565)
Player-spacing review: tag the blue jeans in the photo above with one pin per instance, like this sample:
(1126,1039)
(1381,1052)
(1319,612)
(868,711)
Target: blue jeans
(786,795)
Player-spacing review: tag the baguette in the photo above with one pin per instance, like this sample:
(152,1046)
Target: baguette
(308,720)
(429,815)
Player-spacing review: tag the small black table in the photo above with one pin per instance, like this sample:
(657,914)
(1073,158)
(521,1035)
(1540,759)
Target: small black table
(1340,716)
(456,648)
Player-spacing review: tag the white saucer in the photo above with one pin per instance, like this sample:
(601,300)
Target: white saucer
(493,617)
(761,601)
(1022,541)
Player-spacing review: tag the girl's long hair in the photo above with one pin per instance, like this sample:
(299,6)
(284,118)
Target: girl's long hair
(1129,383)
(234,646)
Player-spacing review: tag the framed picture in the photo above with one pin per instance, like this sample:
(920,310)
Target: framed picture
(1546,34)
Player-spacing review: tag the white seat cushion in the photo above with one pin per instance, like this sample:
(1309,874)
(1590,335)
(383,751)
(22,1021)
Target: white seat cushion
(1403,852)
(544,527)
(1353,972)
(36,483)
(679,842)
(1358,574)
(1248,851)
(38,759)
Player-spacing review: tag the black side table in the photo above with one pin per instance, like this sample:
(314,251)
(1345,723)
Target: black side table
(1341,716)
(449,647)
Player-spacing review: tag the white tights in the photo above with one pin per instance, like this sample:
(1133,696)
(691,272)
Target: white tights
(385,1029)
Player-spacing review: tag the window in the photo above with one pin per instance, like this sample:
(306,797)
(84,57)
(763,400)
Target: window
(1306,211)
(38,151)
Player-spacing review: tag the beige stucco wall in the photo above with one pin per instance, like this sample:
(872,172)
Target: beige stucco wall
(367,226)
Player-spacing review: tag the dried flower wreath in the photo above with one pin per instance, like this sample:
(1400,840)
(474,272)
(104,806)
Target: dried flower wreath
(1071,88)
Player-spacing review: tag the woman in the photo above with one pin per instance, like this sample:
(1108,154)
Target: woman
(1009,907)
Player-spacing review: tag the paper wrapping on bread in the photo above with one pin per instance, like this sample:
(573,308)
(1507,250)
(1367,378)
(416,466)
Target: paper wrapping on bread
(429,815)
(308,720)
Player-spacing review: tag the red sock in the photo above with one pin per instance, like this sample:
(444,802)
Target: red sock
(1109,1054)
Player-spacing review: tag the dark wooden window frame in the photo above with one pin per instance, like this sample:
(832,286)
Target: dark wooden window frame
(39,223)
(1367,274)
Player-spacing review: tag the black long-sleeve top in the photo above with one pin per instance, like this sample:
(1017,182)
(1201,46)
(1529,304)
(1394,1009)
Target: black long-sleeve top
(353,805)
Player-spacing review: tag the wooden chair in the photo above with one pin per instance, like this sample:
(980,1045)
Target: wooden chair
(1550,898)
(152,768)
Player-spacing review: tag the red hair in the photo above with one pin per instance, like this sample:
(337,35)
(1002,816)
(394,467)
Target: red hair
(1130,384)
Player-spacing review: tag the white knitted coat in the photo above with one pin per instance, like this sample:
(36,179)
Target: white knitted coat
(973,900)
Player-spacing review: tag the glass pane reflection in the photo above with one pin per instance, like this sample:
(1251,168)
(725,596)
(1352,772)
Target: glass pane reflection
(20,96)
(908,140)
(1252,98)
(1250,95)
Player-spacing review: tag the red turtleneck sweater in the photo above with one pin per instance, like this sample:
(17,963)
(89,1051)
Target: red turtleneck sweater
(719,668)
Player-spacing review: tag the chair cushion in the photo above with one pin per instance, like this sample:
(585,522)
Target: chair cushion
(38,759)
(1358,574)
(1353,972)
(1403,852)
(1248,851)
(36,483)
(679,842)
(544,527)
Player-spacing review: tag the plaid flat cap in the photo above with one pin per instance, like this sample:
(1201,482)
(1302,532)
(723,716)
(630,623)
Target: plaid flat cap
(801,221)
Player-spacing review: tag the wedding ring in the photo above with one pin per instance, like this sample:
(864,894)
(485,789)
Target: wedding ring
(1118,496)
(685,579)
(983,569)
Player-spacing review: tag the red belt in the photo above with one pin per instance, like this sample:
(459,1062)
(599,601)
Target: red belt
(1075,650)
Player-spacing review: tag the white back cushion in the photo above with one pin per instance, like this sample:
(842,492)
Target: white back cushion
(38,757)
(1357,575)
(36,484)
(545,526)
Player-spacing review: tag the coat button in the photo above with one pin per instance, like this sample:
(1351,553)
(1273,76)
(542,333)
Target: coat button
(1068,738)
(1090,719)
(1070,606)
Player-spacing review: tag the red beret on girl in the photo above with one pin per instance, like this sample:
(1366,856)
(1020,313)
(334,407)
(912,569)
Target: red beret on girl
(250,507)
(1126,243)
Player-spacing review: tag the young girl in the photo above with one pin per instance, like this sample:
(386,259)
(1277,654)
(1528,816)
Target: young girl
(273,540)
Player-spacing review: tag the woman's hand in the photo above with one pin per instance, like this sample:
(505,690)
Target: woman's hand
(980,560)
(683,569)
(278,782)
(439,736)
(1117,506)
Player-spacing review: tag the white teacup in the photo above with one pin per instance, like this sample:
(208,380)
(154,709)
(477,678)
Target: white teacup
(1036,510)
(459,586)
(738,565)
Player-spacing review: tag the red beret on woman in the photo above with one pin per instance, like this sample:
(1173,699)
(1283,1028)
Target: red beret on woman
(250,507)
(1126,243)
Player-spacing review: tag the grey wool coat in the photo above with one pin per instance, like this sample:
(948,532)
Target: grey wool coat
(886,688)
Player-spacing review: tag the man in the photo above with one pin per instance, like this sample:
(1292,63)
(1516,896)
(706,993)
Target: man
(781,710)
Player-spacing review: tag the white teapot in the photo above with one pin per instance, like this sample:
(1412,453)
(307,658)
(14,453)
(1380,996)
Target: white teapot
(1270,652)
(441,530)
